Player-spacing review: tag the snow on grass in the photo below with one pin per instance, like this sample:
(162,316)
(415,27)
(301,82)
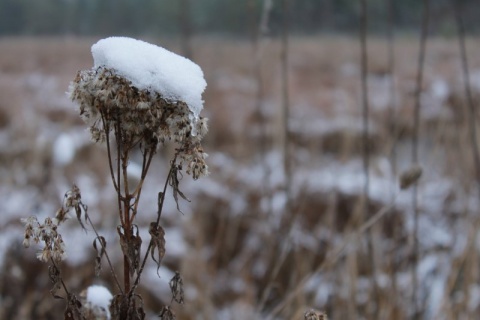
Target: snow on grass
(153,68)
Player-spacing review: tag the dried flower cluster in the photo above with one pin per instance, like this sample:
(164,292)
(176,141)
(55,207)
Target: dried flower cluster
(109,103)
(315,315)
(47,233)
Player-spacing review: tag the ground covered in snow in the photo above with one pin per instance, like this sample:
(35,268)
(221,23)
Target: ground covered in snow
(240,244)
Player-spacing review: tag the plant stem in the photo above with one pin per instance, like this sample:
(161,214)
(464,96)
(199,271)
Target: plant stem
(159,214)
(415,138)
(126,225)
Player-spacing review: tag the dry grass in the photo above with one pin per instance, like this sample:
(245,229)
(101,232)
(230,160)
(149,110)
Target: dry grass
(233,234)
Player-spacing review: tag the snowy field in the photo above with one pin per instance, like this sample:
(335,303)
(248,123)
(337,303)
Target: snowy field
(243,249)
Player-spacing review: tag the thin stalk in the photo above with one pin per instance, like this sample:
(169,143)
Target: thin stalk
(468,91)
(119,145)
(61,280)
(393,135)
(138,191)
(159,214)
(366,147)
(122,163)
(259,47)
(289,216)
(106,255)
(287,165)
(472,126)
(185,28)
(391,87)
(106,127)
(415,138)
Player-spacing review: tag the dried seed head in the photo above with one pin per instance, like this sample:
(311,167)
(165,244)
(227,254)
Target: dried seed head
(60,215)
(54,247)
(315,315)
(109,102)
(32,230)
(72,197)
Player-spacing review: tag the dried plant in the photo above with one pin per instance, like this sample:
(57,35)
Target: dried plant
(315,315)
(127,120)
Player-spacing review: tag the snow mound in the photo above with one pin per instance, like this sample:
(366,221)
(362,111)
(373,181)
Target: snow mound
(153,68)
(99,296)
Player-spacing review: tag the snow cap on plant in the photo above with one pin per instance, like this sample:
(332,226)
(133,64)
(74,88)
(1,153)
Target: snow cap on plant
(96,301)
(145,95)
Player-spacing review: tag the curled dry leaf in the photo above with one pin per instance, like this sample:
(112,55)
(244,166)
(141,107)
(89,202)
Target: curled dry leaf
(100,252)
(175,183)
(73,199)
(74,309)
(176,286)
(411,176)
(116,306)
(123,307)
(167,313)
(55,278)
(131,248)
(158,242)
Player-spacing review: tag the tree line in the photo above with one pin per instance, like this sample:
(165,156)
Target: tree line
(232,17)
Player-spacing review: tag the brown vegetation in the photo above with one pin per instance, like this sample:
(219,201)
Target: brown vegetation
(233,235)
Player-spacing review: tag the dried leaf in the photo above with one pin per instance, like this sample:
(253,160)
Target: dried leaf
(137,312)
(116,307)
(73,199)
(74,309)
(158,242)
(176,286)
(61,215)
(411,176)
(131,248)
(69,315)
(55,278)
(100,252)
(174,183)
(167,313)
(78,213)
(124,308)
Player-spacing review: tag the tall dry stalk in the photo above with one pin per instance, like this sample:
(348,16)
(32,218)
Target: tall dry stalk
(186,30)
(287,154)
(393,135)
(472,123)
(259,45)
(366,150)
(288,216)
(466,260)
(414,155)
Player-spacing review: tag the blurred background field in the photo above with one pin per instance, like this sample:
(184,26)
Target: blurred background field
(257,240)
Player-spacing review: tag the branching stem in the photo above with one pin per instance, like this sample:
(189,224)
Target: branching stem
(159,214)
